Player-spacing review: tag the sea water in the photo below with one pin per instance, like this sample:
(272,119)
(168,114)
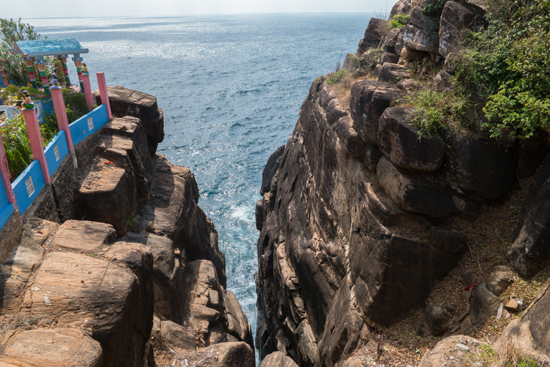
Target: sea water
(230,87)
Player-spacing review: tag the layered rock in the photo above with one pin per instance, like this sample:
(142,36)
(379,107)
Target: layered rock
(84,292)
(331,266)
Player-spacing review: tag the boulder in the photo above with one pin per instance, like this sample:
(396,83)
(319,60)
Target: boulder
(22,262)
(127,102)
(173,212)
(237,322)
(70,290)
(393,73)
(50,348)
(438,319)
(391,40)
(479,168)
(350,63)
(419,39)
(499,279)
(530,332)
(375,32)
(83,236)
(349,137)
(398,140)
(106,191)
(455,18)
(270,168)
(236,354)
(176,335)
(402,6)
(428,23)
(413,192)
(484,305)
(530,251)
(458,346)
(449,239)
(400,274)
(128,134)
(368,100)
(389,58)
(442,81)
(278,359)
(409,86)
(168,274)
(376,72)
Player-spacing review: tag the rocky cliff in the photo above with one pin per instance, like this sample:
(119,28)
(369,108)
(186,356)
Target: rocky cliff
(117,265)
(361,216)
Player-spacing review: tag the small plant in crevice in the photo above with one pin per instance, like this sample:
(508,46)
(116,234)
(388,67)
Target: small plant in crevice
(399,20)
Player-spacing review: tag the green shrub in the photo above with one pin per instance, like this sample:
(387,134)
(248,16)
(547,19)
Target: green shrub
(506,67)
(399,20)
(436,110)
(17,145)
(434,7)
(336,77)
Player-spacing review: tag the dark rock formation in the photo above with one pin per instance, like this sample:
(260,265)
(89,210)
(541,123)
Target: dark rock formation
(375,32)
(455,18)
(278,359)
(368,100)
(270,168)
(419,39)
(413,192)
(393,73)
(530,332)
(530,251)
(479,168)
(127,102)
(398,140)
(323,221)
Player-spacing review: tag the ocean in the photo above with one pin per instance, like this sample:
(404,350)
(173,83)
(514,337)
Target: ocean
(231,87)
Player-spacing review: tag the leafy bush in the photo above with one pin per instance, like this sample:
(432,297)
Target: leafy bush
(17,145)
(399,20)
(507,67)
(337,77)
(436,110)
(434,7)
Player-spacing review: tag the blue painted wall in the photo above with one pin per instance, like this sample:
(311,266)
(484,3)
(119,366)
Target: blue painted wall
(63,149)
(6,208)
(84,127)
(20,189)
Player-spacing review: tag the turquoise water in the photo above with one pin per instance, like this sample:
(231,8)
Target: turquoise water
(231,89)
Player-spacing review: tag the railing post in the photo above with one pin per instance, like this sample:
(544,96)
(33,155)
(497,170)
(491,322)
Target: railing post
(103,93)
(5,171)
(88,90)
(62,120)
(35,138)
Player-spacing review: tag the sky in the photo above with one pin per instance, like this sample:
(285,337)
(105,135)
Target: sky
(163,8)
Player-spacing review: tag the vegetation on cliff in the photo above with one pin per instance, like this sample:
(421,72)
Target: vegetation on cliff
(503,70)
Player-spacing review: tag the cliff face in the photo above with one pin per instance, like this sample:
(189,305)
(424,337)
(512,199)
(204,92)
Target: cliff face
(354,220)
(131,273)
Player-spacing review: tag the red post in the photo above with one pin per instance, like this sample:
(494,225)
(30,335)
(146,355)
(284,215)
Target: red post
(5,171)
(62,120)
(35,138)
(61,114)
(88,90)
(103,93)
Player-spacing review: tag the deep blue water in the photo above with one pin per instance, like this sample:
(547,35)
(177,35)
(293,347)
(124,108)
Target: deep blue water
(231,89)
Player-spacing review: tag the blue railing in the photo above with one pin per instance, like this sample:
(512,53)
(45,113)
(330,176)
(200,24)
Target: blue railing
(27,186)
(56,151)
(88,124)
(29,183)
(6,208)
